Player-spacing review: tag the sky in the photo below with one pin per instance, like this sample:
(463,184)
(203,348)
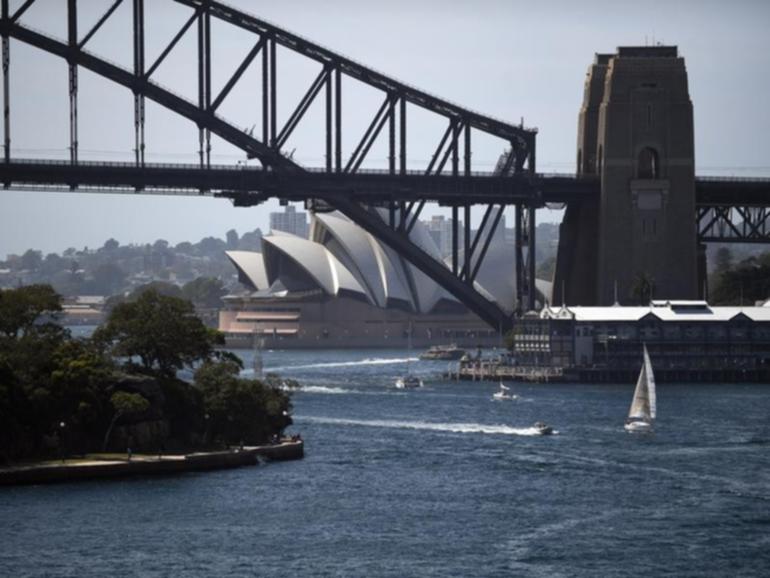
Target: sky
(508,59)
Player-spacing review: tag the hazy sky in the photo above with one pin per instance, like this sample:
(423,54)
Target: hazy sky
(505,58)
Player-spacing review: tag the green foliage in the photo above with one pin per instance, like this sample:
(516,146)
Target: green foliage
(642,289)
(163,332)
(48,378)
(204,292)
(127,403)
(107,279)
(32,260)
(747,283)
(240,409)
(20,308)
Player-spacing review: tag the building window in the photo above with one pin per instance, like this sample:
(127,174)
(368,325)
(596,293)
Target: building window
(648,167)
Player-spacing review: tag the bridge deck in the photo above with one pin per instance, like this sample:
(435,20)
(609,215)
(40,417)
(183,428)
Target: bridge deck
(251,185)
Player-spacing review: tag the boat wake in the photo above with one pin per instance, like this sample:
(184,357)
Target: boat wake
(362,362)
(425,426)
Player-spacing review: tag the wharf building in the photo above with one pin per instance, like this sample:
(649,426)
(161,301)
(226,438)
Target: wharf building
(687,341)
(342,288)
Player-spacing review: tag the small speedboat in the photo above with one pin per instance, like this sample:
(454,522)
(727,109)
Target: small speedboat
(543,428)
(443,352)
(504,393)
(408,381)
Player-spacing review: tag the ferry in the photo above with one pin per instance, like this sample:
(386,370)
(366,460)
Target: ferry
(443,352)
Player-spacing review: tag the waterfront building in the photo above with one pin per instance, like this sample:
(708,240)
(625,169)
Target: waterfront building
(687,340)
(290,221)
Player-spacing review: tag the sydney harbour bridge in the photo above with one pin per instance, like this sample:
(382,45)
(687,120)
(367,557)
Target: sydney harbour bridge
(388,202)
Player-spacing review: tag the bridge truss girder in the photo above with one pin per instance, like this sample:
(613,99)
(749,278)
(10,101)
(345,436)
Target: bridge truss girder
(733,224)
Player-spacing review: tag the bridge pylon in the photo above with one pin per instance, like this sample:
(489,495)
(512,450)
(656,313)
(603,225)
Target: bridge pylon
(635,131)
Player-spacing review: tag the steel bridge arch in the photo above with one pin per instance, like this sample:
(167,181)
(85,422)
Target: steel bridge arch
(457,281)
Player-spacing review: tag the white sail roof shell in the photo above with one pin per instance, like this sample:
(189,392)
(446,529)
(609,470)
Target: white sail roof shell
(427,292)
(319,263)
(364,256)
(251,265)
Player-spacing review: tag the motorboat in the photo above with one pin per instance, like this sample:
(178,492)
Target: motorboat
(504,393)
(543,428)
(641,415)
(408,381)
(443,352)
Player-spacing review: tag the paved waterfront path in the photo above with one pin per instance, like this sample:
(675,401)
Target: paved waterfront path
(116,465)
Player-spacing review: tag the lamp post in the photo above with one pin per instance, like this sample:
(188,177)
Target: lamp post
(62,449)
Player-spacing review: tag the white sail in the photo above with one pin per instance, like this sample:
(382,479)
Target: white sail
(650,383)
(644,402)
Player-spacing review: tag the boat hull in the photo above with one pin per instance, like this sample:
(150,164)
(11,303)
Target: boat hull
(638,427)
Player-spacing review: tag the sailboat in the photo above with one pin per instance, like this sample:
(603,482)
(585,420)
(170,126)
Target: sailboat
(408,381)
(504,393)
(642,413)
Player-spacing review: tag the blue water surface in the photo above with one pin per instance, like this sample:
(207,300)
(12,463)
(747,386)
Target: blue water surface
(441,481)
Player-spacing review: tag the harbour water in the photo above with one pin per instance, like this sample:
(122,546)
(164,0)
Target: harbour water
(440,481)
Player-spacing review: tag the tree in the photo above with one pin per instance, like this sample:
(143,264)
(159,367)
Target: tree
(162,331)
(210,246)
(251,241)
(53,264)
(241,409)
(32,260)
(20,308)
(204,292)
(748,282)
(642,289)
(125,404)
(110,245)
(108,279)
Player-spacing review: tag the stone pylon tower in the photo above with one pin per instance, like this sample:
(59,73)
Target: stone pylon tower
(635,133)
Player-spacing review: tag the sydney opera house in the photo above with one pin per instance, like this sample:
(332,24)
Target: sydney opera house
(342,288)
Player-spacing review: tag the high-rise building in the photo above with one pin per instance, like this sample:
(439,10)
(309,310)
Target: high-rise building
(290,221)
(440,229)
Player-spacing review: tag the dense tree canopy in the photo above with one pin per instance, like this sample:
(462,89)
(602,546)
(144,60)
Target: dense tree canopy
(75,395)
(161,331)
(745,283)
(240,409)
(20,308)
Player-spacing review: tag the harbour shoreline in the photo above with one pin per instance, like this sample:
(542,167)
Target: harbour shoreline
(69,470)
